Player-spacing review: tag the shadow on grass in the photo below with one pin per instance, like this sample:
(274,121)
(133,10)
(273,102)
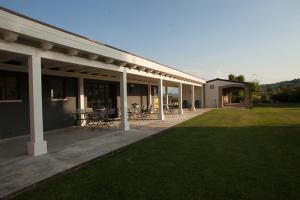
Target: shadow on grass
(188,162)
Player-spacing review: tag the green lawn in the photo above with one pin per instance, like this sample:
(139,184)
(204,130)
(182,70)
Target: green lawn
(223,154)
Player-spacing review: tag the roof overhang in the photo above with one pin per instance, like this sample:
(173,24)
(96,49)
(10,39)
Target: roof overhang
(52,42)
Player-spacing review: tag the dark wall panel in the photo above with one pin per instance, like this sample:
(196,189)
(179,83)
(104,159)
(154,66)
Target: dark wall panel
(14,117)
(59,113)
(134,89)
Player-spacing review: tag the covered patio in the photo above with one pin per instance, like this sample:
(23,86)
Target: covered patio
(70,147)
(45,79)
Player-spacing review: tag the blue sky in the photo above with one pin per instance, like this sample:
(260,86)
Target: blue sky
(260,39)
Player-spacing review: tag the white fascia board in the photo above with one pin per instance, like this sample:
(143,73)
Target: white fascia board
(33,29)
(28,50)
(17,48)
(23,69)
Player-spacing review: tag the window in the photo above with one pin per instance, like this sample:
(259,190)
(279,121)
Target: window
(212,87)
(100,94)
(8,88)
(57,89)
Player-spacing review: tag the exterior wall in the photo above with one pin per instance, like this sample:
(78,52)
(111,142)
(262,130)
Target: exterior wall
(197,94)
(136,93)
(186,94)
(14,118)
(212,95)
(58,113)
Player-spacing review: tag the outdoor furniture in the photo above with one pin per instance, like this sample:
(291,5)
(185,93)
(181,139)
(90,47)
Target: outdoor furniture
(146,112)
(133,113)
(92,119)
(138,112)
(106,119)
(80,117)
(97,118)
(170,109)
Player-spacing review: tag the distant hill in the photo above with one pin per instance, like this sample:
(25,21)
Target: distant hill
(279,85)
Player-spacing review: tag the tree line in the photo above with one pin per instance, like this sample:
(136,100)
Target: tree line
(281,92)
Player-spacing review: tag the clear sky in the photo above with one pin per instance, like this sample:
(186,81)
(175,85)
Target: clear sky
(260,39)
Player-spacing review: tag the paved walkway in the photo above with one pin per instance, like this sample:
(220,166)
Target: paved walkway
(70,147)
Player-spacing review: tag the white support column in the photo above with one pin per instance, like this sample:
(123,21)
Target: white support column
(81,103)
(167,96)
(36,145)
(123,100)
(149,94)
(202,97)
(160,100)
(193,97)
(180,110)
(150,97)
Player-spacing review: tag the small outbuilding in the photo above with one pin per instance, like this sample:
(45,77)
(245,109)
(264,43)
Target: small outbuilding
(220,93)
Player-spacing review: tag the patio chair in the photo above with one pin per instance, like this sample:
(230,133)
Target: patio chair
(133,113)
(145,113)
(92,119)
(171,109)
(109,121)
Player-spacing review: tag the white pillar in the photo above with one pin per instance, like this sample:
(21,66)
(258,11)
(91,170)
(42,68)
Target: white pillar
(180,110)
(81,103)
(150,97)
(193,97)
(167,96)
(160,100)
(202,97)
(149,94)
(36,145)
(123,100)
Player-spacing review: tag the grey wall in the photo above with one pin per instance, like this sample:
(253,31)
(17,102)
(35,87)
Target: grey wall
(136,93)
(14,117)
(58,114)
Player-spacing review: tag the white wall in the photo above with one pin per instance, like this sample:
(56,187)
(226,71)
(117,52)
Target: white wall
(198,94)
(186,93)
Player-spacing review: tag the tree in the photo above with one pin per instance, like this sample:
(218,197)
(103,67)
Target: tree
(231,77)
(240,78)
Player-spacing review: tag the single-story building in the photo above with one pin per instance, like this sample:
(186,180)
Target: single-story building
(47,73)
(220,93)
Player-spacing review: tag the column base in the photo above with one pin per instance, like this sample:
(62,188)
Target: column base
(161,117)
(124,126)
(180,112)
(37,148)
(193,109)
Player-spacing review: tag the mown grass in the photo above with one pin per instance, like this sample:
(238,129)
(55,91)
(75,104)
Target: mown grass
(222,154)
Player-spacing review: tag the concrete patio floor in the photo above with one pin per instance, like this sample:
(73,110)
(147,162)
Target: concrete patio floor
(70,147)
